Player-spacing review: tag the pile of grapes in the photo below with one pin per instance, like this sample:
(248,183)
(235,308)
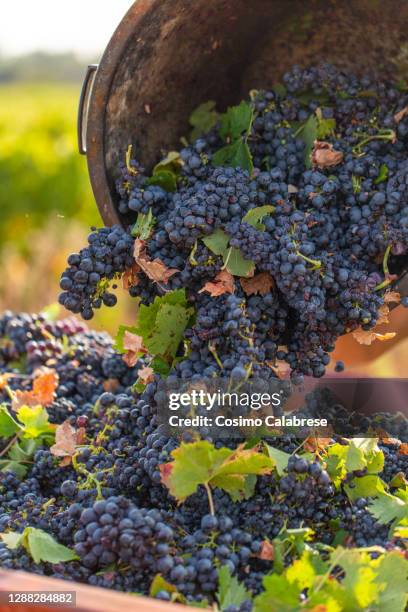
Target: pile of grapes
(279,228)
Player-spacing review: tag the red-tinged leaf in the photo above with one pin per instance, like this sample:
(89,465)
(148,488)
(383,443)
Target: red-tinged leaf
(401,114)
(267,551)
(368,337)
(131,277)
(260,283)
(324,155)
(165,472)
(42,393)
(403,449)
(45,386)
(4,378)
(146,374)
(223,283)
(156,270)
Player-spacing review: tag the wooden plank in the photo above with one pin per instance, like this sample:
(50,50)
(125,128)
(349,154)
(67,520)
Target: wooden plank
(88,599)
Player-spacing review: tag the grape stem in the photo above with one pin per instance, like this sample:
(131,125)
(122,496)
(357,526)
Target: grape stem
(386,270)
(210,498)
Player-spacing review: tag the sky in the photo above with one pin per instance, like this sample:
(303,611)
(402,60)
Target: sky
(83,26)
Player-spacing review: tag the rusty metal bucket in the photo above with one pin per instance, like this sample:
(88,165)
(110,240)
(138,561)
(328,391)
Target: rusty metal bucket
(168,56)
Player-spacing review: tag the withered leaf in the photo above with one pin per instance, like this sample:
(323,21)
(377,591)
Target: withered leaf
(133,344)
(401,114)
(43,391)
(223,283)
(260,283)
(392,297)
(324,155)
(368,337)
(130,277)
(146,374)
(67,438)
(267,552)
(156,270)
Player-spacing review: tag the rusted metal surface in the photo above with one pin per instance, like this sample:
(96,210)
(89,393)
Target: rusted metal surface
(174,54)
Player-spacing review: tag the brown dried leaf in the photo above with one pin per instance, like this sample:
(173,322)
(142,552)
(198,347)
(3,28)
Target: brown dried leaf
(65,441)
(385,438)
(392,297)
(260,283)
(403,449)
(368,337)
(401,114)
(111,385)
(315,444)
(383,313)
(133,344)
(67,438)
(324,155)
(267,552)
(155,270)
(223,283)
(130,277)
(146,374)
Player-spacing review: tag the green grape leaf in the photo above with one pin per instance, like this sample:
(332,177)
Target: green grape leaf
(34,420)
(162,323)
(167,333)
(398,480)
(236,264)
(217,242)
(43,547)
(8,426)
(200,463)
(24,450)
(365,486)
(236,121)
(202,119)
(144,225)
(358,588)
(160,584)
(325,127)
(279,595)
(279,457)
(40,545)
(392,582)
(382,175)
(171,163)
(6,465)
(235,155)
(308,133)
(165,179)
(230,591)
(255,216)
(387,508)
(12,539)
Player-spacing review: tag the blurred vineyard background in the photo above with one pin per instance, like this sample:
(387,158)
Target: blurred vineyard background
(46,203)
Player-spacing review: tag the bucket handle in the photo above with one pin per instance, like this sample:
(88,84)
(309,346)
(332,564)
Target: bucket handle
(83,106)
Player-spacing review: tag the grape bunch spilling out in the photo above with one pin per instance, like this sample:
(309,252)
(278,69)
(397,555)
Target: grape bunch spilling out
(281,226)
(293,202)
